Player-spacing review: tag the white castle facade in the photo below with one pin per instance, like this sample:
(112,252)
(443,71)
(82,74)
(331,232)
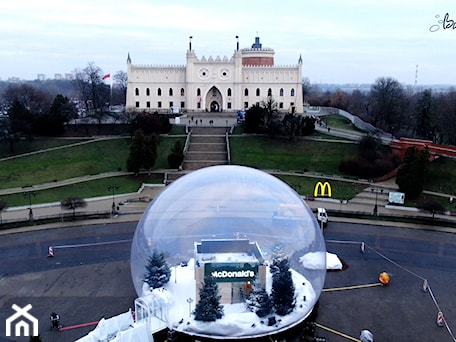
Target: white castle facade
(216,84)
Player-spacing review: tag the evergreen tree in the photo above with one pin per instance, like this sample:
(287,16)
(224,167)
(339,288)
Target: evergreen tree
(176,155)
(259,300)
(283,289)
(208,309)
(143,151)
(158,272)
(411,174)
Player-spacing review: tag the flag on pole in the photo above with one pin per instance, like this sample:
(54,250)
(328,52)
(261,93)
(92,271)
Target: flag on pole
(106,76)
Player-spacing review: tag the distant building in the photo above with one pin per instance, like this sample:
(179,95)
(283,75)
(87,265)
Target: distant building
(216,84)
(69,77)
(41,77)
(58,77)
(234,265)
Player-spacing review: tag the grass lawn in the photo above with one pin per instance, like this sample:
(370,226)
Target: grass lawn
(88,159)
(306,186)
(36,144)
(95,188)
(441,176)
(338,121)
(281,154)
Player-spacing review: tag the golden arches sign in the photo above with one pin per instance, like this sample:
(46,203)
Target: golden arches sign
(321,188)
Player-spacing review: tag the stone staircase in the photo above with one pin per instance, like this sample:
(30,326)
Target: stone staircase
(207,146)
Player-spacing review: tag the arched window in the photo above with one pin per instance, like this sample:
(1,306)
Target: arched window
(292,92)
(147,92)
(137,92)
(281,92)
(159,92)
(198,92)
(269,92)
(170,91)
(258,92)
(246,92)
(228,93)
(182,92)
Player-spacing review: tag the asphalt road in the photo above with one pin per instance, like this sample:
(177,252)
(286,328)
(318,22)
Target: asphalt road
(86,283)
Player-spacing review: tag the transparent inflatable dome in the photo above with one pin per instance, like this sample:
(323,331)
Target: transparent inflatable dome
(231,223)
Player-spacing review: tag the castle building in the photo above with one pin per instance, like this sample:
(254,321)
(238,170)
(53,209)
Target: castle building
(216,84)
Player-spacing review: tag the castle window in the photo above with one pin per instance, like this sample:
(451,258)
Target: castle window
(137,104)
(147,92)
(228,92)
(281,92)
(159,92)
(182,91)
(170,91)
(136,91)
(269,92)
(198,105)
(198,92)
(292,92)
(246,105)
(228,105)
(258,92)
(246,92)
(182,104)
(148,104)
(281,105)
(171,104)
(159,104)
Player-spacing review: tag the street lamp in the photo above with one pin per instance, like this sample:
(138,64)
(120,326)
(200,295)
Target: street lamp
(189,301)
(376,190)
(113,188)
(30,194)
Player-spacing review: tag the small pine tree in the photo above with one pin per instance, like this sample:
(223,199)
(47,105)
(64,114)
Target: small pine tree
(283,289)
(208,309)
(259,301)
(158,272)
(176,155)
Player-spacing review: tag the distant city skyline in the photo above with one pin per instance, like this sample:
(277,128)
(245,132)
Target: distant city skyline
(349,41)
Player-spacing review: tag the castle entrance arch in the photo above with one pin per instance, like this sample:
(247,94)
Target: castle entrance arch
(214,100)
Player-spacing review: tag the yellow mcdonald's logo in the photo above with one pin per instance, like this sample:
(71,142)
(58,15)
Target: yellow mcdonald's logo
(321,188)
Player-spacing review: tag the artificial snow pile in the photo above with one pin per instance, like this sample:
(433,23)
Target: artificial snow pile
(177,300)
(120,328)
(313,261)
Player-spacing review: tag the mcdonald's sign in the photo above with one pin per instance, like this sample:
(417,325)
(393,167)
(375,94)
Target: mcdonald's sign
(320,189)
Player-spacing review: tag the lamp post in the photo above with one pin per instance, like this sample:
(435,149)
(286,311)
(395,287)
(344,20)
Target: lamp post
(113,188)
(30,194)
(376,191)
(189,301)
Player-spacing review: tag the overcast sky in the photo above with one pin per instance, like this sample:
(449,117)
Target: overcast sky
(341,41)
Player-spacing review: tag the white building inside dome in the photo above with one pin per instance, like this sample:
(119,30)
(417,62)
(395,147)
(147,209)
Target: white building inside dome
(216,84)
(234,265)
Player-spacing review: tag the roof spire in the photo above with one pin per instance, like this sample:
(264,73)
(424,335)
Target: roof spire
(128,59)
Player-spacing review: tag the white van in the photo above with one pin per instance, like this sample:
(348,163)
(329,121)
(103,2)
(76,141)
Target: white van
(322,216)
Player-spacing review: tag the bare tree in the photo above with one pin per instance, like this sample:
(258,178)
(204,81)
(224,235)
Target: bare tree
(386,103)
(94,93)
(120,87)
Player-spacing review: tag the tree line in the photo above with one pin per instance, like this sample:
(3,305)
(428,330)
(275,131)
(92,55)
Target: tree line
(397,109)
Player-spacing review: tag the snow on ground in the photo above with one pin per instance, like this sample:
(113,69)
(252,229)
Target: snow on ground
(237,321)
(312,261)
(178,299)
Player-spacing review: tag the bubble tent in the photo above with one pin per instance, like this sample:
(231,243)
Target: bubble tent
(231,202)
